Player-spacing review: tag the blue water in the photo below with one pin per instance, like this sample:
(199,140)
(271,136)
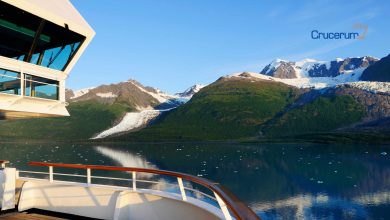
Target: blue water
(278,181)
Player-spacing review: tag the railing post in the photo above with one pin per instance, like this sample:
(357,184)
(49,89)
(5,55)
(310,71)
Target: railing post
(223,207)
(22,82)
(51,174)
(230,206)
(89,176)
(182,190)
(134,181)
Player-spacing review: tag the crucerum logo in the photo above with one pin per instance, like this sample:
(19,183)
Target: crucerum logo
(359,34)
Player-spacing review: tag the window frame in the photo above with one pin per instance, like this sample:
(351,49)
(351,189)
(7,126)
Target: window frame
(28,57)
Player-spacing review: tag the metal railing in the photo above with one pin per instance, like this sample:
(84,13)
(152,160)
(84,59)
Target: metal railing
(227,202)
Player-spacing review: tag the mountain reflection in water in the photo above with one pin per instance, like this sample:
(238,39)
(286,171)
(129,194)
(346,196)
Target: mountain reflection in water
(279,181)
(126,159)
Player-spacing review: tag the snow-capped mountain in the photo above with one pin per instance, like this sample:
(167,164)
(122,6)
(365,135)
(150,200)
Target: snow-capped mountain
(133,94)
(281,69)
(314,68)
(349,78)
(338,76)
(310,73)
(148,103)
(188,93)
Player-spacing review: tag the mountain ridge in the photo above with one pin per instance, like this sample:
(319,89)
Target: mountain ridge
(244,106)
(313,68)
(324,106)
(133,94)
(380,71)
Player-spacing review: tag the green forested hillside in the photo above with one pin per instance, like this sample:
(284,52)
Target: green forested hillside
(326,113)
(242,109)
(226,109)
(86,119)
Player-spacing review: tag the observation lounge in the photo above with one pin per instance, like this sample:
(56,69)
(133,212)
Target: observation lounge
(40,42)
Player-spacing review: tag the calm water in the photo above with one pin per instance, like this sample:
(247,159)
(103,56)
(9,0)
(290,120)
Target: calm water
(283,181)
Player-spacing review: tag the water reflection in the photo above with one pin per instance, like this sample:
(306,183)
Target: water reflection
(279,181)
(307,206)
(304,207)
(379,198)
(127,159)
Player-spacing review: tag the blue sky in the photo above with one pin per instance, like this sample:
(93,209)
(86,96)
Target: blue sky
(173,44)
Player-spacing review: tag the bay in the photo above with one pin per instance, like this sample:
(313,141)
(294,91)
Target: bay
(278,181)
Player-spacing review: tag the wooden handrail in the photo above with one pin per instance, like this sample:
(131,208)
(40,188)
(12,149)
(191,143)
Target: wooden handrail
(239,209)
(3,162)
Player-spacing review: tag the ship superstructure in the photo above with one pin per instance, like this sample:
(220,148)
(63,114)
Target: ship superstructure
(40,42)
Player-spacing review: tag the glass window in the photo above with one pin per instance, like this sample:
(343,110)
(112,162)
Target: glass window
(24,36)
(9,82)
(59,49)
(17,31)
(41,87)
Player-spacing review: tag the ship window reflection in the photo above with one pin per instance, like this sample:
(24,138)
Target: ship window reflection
(58,49)
(24,36)
(9,82)
(41,87)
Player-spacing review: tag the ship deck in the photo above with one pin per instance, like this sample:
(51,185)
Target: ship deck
(48,196)
(38,215)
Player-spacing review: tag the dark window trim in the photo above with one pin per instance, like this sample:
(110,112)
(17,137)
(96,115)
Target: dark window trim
(38,35)
(71,57)
(26,80)
(35,41)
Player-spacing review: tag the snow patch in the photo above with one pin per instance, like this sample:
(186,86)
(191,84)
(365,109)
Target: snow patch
(304,61)
(349,77)
(160,96)
(304,66)
(274,64)
(81,92)
(328,64)
(372,86)
(107,95)
(309,82)
(131,121)
(188,93)
(197,87)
